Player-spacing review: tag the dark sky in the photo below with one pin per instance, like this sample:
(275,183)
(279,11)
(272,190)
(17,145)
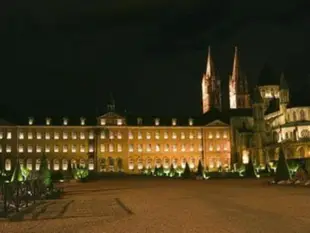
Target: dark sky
(64,58)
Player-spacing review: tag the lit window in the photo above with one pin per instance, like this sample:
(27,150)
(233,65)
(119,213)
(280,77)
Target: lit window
(47,136)
(139,148)
(82,135)
(218,148)
(56,135)
(29,149)
(210,135)
(102,134)
(165,135)
(139,121)
(82,148)
(65,148)
(38,149)
(217,135)
(225,134)
(48,121)
(65,135)
(182,135)
(30,120)
(64,164)
(191,135)
(82,120)
(1,135)
(56,164)
(174,121)
(157,121)
(174,148)
(119,135)
(199,135)
(130,135)
(111,135)
(148,135)
(91,135)
(74,135)
(65,121)
(225,147)
(39,135)
(8,149)
(157,147)
(20,148)
(9,135)
(30,135)
(102,121)
(191,148)
(90,148)
(73,148)
(56,148)
(183,148)
(190,121)
(174,135)
(47,149)
(29,164)
(111,148)
(166,147)
(200,147)
(119,121)
(119,148)
(149,148)
(102,148)
(8,164)
(157,135)
(210,148)
(21,135)
(0,148)
(130,148)
(139,135)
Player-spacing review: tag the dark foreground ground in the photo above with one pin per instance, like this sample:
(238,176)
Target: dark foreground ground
(157,205)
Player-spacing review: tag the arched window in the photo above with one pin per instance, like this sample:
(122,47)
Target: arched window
(91,165)
(140,164)
(64,164)
(158,162)
(73,164)
(302,115)
(8,165)
(82,163)
(294,116)
(149,163)
(192,163)
(131,164)
(56,164)
(29,164)
(166,163)
(38,163)
(305,133)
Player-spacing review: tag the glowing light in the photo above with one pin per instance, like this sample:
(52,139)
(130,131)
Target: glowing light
(245,157)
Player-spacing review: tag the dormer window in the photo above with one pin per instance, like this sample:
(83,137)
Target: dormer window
(156,121)
(65,121)
(48,121)
(103,122)
(119,121)
(190,121)
(174,121)
(82,120)
(30,120)
(139,121)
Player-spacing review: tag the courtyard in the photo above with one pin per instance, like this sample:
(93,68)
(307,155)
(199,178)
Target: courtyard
(143,204)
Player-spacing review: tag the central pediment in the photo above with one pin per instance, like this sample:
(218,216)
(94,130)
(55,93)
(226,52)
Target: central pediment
(111,118)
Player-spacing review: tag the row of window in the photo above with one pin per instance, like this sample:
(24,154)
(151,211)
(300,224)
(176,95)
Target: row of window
(114,148)
(65,121)
(114,135)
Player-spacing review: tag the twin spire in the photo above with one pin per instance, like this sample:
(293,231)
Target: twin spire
(211,87)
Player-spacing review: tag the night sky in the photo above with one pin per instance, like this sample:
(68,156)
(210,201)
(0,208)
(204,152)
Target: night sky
(65,58)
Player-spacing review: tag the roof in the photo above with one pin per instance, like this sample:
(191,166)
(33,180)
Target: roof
(267,76)
(273,106)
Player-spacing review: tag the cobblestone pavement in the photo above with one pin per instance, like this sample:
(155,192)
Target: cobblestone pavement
(154,205)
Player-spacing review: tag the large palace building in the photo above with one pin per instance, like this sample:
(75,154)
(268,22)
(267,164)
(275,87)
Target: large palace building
(253,127)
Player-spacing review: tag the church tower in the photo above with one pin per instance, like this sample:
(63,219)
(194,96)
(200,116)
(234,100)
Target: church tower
(284,94)
(239,96)
(211,87)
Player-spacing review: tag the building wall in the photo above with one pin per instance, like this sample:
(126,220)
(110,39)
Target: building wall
(114,148)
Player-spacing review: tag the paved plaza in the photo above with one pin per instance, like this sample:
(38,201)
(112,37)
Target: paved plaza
(158,205)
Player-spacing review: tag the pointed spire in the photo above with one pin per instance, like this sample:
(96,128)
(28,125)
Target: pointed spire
(210,68)
(283,83)
(235,73)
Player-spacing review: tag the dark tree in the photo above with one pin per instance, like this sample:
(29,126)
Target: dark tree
(200,171)
(187,172)
(44,172)
(249,169)
(282,171)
